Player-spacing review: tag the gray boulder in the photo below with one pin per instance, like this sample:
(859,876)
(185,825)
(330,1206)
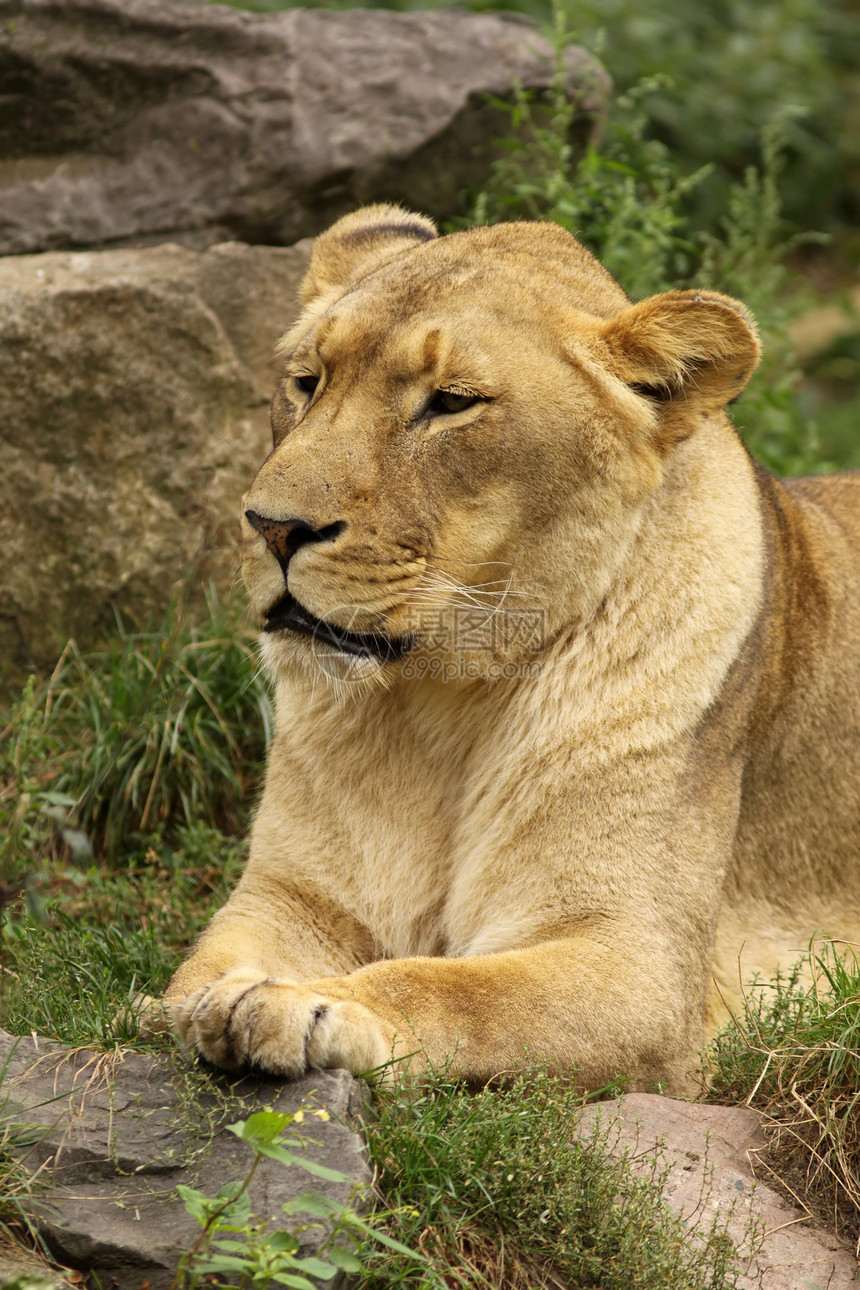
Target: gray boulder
(133,121)
(134,394)
(111,1135)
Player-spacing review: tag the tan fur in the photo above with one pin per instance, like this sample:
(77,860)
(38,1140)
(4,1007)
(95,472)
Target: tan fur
(555,852)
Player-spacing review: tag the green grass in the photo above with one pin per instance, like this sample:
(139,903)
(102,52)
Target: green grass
(70,968)
(75,954)
(156,728)
(794,1054)
(16,1187)
(496,1189)
(479,1183)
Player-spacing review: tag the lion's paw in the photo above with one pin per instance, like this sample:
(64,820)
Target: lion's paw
(243,1020)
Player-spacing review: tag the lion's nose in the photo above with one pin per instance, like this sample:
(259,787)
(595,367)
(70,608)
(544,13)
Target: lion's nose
(284,537)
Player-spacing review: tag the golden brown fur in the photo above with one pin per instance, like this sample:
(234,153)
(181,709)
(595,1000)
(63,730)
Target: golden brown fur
(558,849)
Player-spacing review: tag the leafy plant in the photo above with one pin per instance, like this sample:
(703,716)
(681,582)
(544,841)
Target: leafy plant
(623,199)
(234,1243)
(728,69)
(748,260)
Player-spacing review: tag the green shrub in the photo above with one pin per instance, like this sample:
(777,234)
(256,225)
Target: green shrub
(627,201)
(727,68)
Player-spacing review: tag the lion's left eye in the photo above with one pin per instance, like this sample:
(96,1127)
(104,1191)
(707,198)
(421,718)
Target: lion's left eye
(307,383)
(446,401)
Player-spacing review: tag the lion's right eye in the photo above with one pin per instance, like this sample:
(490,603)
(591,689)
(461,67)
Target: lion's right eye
(447,402)
(307,383)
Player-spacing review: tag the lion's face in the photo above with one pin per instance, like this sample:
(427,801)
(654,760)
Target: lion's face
(469,424)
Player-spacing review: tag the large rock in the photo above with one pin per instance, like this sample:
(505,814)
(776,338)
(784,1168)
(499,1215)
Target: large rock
(712,1158)
(111,1135)
(134,393)
(128,120)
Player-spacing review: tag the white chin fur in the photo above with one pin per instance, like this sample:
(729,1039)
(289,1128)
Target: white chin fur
(288,653)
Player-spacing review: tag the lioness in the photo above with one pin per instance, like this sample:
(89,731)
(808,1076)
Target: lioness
(549,839)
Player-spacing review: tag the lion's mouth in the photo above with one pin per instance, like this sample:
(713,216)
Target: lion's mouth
(287,615)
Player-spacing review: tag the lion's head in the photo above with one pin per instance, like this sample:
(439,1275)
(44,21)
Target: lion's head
(470,422)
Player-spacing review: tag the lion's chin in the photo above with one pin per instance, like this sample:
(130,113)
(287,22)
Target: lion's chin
(299,658)
(288,616)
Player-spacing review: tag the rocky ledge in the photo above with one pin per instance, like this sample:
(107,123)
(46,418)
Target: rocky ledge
(111,1135)
(126,121)
(134,400)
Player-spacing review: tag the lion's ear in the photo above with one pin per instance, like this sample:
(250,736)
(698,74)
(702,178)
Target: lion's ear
(359,243)
(689,352)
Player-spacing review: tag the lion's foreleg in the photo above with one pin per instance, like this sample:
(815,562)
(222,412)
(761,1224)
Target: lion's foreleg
(603,1009)
(575,1005)
(270,928)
